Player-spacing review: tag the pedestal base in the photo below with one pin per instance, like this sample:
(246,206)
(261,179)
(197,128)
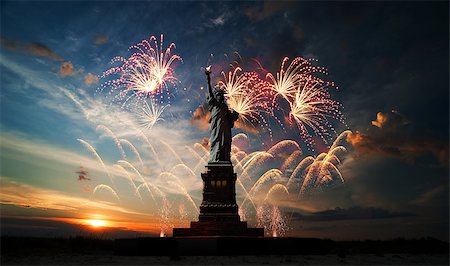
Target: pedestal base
(219,211)
(218,229)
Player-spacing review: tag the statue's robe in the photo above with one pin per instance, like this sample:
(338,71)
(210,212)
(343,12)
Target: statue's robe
(222,120)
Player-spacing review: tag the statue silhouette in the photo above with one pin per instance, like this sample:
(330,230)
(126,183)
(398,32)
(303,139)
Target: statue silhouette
(222,120)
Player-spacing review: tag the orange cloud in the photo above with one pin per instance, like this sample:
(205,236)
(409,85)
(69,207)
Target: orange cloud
(100,39)
(66,69)
(205,143)
(200,118)
(90,79)
(381,120)
(245,126)
(35,49)
(394,140)
(355,138)
(38,49)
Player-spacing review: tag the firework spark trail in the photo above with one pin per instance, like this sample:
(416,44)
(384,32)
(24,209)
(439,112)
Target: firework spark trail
(170,149)
(341,136)
(111,134)
(311,109)
(247,195)
(255,158)
(287,80)
(136,171)
(234,149)
(238,156)
(165,223)
(193,152)
(159,191)
(146,72)
(148,189)
(238,166)
(269,175)
(151,114)
(275,188)
(135,151)
(311,176)
(76,101)
(127,175)
(327,165)
(283,146)
(107,188)
(288,163)
(277,222)
(144,137)
(235,84)
(128,164)
(173,176)
(240,137)
(200,158)
(306,162)
(99,159)
(184,167)
(202,148)
(250,157)
(184,193)
(248,95)
(260,217)
(331,155)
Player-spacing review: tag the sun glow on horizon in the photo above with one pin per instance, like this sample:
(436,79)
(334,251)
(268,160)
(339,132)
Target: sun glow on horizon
(97,223)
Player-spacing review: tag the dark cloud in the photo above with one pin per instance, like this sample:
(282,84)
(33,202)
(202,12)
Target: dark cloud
(353,213)
(35,49)
(266,10)
(390,135)
(83,178)
(9,44)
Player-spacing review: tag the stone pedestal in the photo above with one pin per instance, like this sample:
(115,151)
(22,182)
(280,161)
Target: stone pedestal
(218,211)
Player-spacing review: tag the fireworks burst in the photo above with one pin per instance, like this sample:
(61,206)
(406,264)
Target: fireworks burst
(147,72)
(235,84)
(286,82)
(248,95)
(311,109)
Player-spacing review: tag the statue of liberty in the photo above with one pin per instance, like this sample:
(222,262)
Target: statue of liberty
(222,120)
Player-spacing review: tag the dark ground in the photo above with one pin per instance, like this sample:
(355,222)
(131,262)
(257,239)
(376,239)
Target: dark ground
(89,251)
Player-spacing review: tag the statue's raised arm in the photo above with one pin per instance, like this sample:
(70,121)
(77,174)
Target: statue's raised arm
(208,77)
(222,120)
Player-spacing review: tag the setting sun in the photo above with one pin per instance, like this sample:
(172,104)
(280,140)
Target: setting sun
(97,223)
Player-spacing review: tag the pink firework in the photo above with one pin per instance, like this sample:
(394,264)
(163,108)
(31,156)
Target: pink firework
(286,82)
(147,72)
(250,96)
(312,108)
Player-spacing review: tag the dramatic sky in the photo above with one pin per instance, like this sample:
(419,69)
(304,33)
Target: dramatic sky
(389,61)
